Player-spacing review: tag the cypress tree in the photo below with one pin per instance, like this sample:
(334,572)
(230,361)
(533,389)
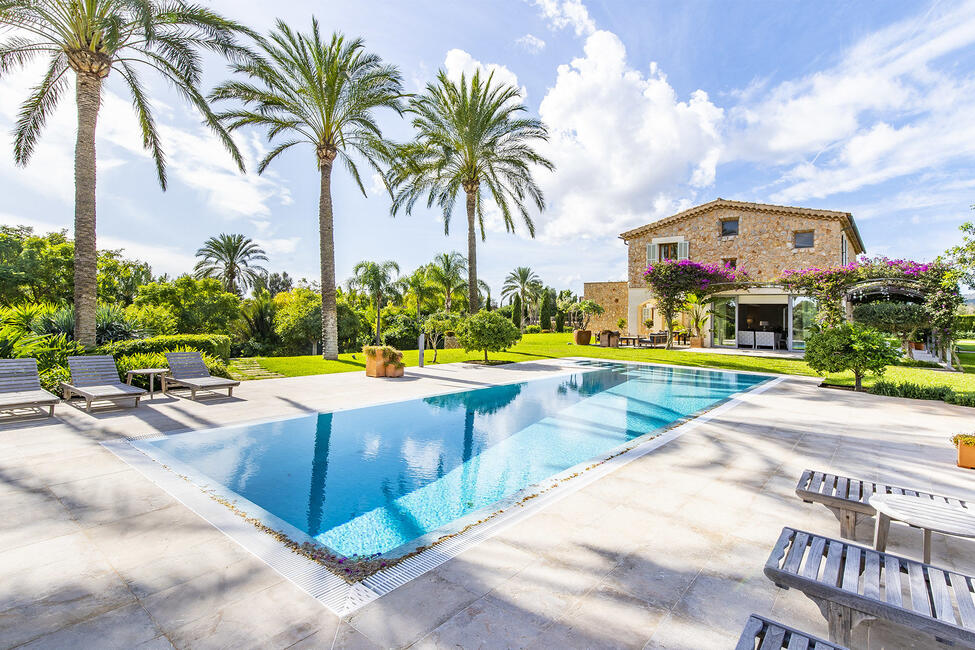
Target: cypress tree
(516,311)
(547,309)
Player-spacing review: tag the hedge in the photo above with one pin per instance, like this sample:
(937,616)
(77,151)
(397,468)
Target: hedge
(217,345)
(965,322)
(916,391)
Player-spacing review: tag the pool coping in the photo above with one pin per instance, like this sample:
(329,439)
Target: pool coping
(344,598)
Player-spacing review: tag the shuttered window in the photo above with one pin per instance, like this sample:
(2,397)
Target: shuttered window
(668,251)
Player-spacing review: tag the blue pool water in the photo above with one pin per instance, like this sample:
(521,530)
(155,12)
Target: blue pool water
(372,479)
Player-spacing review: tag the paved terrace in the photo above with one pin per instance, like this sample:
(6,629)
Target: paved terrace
(665,552)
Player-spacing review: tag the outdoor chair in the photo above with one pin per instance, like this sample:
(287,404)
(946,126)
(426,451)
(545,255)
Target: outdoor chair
(188,370)
(746,339)
(96,378)
(851,584)
(766,634)
(765,340)
(20,386)
(849,497)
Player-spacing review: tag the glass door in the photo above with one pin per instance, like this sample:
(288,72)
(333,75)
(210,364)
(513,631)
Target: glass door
(724,313)
(803,319)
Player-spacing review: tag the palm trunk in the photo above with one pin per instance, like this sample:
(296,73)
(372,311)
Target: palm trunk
(88,95)
(330,329)
(472,297)
(378,312)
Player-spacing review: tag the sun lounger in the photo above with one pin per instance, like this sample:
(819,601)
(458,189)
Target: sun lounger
(852,584)
(20,386)
(761,633)
(95,378)
(188,370)
(849,496)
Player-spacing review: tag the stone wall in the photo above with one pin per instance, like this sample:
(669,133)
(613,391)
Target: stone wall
(611,296)
(763,245)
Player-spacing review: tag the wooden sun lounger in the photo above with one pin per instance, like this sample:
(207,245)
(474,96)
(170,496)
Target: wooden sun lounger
(849,496)
(20,386)
(852,584)
(761,633)
(188,370)
(95,377)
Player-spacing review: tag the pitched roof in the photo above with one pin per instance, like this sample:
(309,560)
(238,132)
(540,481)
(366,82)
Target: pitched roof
(846,217)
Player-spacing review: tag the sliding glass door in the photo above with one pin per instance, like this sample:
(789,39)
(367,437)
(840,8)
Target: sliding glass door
(803,319)
(724,312)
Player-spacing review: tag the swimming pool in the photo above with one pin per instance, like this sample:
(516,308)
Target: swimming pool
(377,479)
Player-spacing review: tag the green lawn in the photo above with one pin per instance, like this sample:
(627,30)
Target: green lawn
(966,352)
(550,346)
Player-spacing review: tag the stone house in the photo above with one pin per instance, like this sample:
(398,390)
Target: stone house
(763,239)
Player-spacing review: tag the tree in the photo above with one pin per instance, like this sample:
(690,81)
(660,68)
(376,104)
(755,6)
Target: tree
(850,346)
(91,39)
(257,315)
(471,137)
(298,318)
(900,319)
(699,313)
(446,273)
(436,326)
(119,279)
(586,309)
(322,94)
(547,309)
(524,282)
(963,254)
(33,267)
(232,260)
(377,280)
(200,306)
(416,286)
(484,291)
(488,331)
(517,313)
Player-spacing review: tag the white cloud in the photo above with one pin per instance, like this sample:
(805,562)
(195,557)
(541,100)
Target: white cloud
(531,43)
(567,13)
(627,149)
(458,62)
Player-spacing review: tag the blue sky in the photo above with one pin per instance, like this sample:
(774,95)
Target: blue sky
(653,107)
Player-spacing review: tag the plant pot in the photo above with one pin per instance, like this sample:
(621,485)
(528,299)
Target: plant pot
(917,346)
(966,456)
(451,343)
(581,337)
(696,341)
(394,371)
(375,366)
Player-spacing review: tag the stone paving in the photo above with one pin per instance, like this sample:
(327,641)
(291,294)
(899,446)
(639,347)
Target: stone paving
(666,552)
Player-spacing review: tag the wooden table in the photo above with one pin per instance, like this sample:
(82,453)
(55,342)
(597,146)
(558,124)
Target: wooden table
(151,373)
(926,514)
(629,340)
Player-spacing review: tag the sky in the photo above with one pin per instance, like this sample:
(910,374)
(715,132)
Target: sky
(652,107)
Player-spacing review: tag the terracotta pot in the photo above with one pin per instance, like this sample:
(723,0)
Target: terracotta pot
(696,341)
(394,371)
(917,346)
(451,343)
(375,365)
(581,337)
(966,456)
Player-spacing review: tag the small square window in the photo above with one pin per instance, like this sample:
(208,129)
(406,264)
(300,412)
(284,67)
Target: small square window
(729,227)
(804,239)
(730,262)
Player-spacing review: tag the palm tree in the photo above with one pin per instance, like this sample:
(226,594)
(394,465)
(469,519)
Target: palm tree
(377,280)
(446,273)
(470,136)
(522,282)
(417,286)
(231,259)
(322,94)
(91,38)
(485,288)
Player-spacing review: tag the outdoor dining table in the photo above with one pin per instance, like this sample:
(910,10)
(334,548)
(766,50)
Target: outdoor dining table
(629,340)
(921,512)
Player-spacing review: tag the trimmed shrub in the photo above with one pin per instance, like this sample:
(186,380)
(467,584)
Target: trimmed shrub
(128,362)
(965,322)
(217,345)
(911,390)
(488,331)
(850,346)
(532,329)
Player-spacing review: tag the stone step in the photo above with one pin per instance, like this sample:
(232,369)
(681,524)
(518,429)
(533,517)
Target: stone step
(248,368)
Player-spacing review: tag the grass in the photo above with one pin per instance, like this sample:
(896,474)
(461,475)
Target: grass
(551,346)
(966,353)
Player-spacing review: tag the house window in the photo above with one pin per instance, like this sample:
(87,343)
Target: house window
(729,227)
(804,239)
(844,255)
(648,316)
(668,251)
(730,262)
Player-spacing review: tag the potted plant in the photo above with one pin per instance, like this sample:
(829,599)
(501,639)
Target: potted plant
(966,449)
(700,315)
(383,361)
(587,309)
(621,324)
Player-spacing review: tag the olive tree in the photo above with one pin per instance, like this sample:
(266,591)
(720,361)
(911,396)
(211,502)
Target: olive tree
(850,346)
(488,331)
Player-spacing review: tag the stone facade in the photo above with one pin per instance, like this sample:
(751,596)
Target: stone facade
(611,296)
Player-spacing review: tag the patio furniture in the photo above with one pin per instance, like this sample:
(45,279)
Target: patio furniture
(851,496)
(189,371)
(629,340)
(95,378)
(928,515)
(151,373)
(745,338)
(852,584)
(20,386)
(609,339)
(766,634)
(765,340)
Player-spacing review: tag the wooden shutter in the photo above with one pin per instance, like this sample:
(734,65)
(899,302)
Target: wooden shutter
(653,254)
(683,250)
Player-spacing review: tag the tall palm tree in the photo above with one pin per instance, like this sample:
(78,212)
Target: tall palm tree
(446,273)
(470,137)
(233,260)
(91,38)
(323,94)
(522,282)
(376,279)
(417,286)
